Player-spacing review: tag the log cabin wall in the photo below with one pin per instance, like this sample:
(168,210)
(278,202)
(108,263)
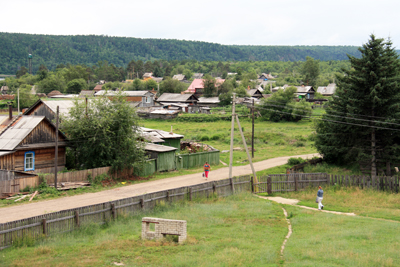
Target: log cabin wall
(44,158)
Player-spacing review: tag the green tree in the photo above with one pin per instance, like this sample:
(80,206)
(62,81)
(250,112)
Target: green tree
(210,89)
(26,98)
(42,72)
(279,106)
(52,82)
(158,72)
(76,86)
(169,85)
(310,70)
(105,135)
(367,99)
(21,72)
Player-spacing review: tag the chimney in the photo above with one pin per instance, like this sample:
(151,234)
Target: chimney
(10,111)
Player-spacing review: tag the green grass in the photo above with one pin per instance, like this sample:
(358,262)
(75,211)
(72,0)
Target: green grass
(235,231)
(367,203)
(240,230)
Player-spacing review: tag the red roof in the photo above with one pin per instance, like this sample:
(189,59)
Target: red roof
(198,84)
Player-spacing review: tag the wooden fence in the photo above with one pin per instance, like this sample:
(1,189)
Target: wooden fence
(14,181)
(289,182)
(68,220)
(75,176)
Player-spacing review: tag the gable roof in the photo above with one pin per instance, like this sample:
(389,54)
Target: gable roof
(253,92)
(198,84)
(198,75)
(169,97)
(16,130)
(327,90)
(179,77)
(124,93)
(147,75)
(305,89)
(98,87)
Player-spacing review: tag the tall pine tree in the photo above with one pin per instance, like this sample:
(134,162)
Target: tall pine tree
(367,100)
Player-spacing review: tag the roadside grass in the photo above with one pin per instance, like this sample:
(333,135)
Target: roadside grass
(323,239)
(363,202)
(240,230)
(272,139)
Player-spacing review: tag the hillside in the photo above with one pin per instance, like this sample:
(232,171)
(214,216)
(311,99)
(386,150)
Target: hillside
(52,50)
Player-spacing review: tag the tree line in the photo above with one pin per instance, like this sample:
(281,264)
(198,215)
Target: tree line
(52,50)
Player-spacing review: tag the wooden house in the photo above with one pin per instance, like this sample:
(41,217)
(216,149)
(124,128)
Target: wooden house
(49,108)
(255,93)
(179,77)
(169,98)
(98,88)
(327,90)
(145,98)
(305,92)
(208,101)
(197,86)
(27,143)
(86,93)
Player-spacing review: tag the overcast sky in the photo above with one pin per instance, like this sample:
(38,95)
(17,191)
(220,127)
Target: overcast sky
(242,22)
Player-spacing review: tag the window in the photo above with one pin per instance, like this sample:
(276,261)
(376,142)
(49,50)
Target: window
(148,99)
(29,161)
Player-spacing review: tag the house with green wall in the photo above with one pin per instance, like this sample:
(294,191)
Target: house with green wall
(161,137)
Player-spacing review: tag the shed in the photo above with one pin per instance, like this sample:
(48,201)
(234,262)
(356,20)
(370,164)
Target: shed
(170,138)
(87,93)
(179,77)
(208,101)
(164,156)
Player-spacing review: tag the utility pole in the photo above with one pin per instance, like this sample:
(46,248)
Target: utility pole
(232,130)
(18,101)
(56,151)
(252,131)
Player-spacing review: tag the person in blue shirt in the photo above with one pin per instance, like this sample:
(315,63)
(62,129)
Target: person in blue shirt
(320,196)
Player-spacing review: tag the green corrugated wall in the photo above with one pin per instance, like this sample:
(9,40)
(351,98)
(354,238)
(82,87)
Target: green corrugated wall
(174,143)
(197,159)
(166,161)
(148,168)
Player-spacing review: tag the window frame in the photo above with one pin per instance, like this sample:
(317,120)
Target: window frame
(33,161)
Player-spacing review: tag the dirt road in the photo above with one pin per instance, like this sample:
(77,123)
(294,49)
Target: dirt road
(34,209)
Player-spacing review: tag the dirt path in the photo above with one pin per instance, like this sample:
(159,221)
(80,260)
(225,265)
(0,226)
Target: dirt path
(34,209)
(294,202)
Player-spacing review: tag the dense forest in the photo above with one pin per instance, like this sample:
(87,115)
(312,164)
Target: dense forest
(52,50)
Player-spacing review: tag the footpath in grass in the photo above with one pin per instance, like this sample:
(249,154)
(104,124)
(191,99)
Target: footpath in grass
(367,203)
(240,230)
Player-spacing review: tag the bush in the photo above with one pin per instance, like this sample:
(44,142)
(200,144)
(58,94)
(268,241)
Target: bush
(295,161)
(299,144)
(300,138)
(204,138)
(215,137)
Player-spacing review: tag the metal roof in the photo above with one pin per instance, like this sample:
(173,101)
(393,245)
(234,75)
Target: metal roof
(124,93)
(13,135)
(327,90)
(208,100)
(169,97)
(158,148)
(160,133)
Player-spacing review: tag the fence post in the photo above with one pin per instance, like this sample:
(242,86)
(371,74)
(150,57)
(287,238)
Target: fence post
(232,186)
(113,213)
(77,218)
(190,193)
(142,203)
(269,185)
(44,224)
(168,196)
(214,188)
(252,184)
(296,183)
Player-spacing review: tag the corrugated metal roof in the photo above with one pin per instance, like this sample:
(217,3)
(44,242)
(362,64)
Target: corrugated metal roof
(178,77)
(160,133)
(12,136)
(124,93)
(158,148)
(169,97)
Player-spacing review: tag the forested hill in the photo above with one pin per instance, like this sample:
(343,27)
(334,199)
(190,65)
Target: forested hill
(52,50)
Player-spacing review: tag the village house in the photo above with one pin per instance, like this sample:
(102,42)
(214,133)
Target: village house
(197,75)
(147,76)
(170,99)
(170,138)
(327,90)
(27,143)
(208,101)
(305,92)
(254,93)
(179,77)
(98,88)
(197,86)
(144,98)
(87,93)
(48,108)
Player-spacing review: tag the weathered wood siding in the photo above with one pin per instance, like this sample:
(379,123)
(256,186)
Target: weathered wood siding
(43,133)
(7,162)
(44,158)
(42,110)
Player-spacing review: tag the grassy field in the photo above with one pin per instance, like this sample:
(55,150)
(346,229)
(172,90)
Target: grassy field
(271,139)
(240,230)
(367,203)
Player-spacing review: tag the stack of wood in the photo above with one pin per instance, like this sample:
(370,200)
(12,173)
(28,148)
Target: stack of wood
(70,185)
